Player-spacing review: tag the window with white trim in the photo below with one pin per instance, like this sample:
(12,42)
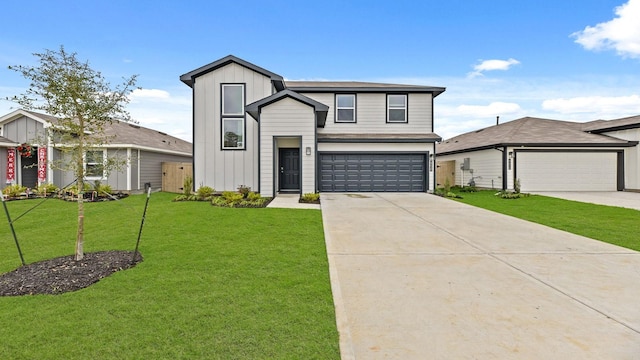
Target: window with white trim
(345,108)
(397,108)
(233,133)
(233,100)
(94,164)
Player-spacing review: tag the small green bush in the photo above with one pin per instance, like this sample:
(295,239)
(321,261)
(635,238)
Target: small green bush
(46,189)
(73,189)
(252,196)
(447,186)
(453,195)
(205,193)
(468,189)
(187,185)
(310,197)
(511,195)
(236,199)
(14,190)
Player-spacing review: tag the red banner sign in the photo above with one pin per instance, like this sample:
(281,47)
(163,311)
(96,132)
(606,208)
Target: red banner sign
(42,164)
(11,165)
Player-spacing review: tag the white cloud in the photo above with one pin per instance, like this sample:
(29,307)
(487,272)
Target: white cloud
(492,65)
(149,94)
(621,34)
(607,106)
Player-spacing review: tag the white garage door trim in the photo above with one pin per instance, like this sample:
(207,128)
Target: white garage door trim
(567,170)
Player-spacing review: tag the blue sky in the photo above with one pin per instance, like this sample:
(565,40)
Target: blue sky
(576,60)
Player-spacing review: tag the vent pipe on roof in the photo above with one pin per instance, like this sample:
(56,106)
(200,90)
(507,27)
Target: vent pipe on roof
(497,120)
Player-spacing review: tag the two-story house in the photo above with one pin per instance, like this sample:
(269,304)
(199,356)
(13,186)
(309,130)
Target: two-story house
(253,128)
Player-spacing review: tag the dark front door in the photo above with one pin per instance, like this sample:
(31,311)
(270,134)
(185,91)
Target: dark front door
(289,169)
(30,170)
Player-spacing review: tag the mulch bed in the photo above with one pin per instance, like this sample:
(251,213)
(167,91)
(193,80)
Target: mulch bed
(64,274)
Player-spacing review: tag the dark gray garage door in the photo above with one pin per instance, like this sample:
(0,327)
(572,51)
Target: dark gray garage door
(362,172)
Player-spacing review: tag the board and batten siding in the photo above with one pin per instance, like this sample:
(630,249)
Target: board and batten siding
(24,130)
(486,166)
(287,118)
(371,112)
(225,169)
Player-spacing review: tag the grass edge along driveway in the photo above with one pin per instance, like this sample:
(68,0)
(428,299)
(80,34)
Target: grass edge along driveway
(614,225)
(215,283)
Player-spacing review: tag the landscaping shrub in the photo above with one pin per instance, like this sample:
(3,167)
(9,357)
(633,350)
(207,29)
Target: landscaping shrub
(205,193)
(310,197)
(14,190)
(244,190)
(46,189)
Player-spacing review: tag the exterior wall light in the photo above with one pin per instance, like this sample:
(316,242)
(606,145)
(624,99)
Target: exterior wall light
(308,150)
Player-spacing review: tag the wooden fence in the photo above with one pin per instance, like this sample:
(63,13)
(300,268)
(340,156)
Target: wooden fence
(173,175)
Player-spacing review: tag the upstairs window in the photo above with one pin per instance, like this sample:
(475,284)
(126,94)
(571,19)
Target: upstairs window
(94,165)
(233,133)
(346,108)
(233,100)
(397,108)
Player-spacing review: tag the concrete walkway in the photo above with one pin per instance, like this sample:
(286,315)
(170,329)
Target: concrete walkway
(290,201)
(625,199)
(416,276)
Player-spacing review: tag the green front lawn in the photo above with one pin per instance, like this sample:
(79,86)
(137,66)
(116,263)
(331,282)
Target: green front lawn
(614,225)
(215,283)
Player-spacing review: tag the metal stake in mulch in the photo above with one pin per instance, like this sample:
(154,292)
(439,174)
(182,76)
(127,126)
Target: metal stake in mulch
(13,231)
(144,215)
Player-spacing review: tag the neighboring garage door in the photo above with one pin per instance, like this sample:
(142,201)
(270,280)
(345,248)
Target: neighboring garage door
(567,171)
(366,172)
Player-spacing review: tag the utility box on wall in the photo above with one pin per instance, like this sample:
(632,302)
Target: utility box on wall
(466,164)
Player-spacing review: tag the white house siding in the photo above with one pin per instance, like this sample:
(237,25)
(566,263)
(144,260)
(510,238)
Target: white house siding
(225,170)
(631,157)
(486,166)
(287,119)
(422,148)
(24,130)
(371,115)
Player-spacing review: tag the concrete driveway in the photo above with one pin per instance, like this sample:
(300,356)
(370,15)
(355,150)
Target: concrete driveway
(416,276)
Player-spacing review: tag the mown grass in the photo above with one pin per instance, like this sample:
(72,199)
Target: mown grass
(215,283)
(613,225)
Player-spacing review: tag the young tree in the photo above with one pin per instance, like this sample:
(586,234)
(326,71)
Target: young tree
(84,104)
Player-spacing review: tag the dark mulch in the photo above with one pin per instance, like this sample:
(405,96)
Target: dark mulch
(64,274)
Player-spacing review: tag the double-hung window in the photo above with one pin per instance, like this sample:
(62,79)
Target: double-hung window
(346,108)
(94,164)
(233,119)
(397,108)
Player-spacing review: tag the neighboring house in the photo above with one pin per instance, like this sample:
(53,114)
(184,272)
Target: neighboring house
(545,155)
(308,136)
(142,150)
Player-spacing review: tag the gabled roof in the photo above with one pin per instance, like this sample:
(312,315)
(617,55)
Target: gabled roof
(123,134)
(320,109)
(600,126)
(189,77)
(529,131)
(356,86)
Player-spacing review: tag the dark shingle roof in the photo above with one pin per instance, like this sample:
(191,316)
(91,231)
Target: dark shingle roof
(357,86)
(528,131)
(600,126)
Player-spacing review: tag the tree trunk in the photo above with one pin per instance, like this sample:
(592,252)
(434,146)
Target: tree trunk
(80,233)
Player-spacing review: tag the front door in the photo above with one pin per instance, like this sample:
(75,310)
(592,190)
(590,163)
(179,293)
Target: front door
(29,170)
(289,169)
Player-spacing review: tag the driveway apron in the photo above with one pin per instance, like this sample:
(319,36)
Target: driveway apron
(416,276)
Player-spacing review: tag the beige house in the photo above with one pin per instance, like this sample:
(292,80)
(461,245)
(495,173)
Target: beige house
(253,128)
(545,155)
